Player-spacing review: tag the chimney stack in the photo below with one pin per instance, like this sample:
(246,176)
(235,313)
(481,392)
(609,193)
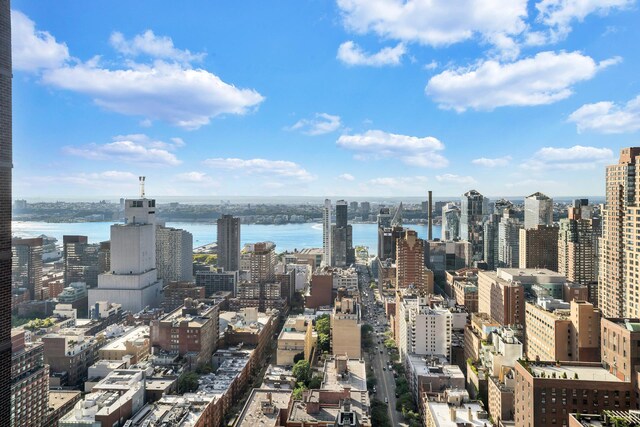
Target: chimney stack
(430,215)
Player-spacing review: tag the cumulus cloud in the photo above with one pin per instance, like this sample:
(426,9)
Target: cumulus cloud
(577,157)
(434,22)
(607,117)
(321,124)
(185,97)
(137,148)
(398,182)
(351,54)
(546,78)
(492,163)
(33,49)
(167,88)
(559,14)
(449,178)
(347,177)
(195,177)
(151,45)
(412,150)
(275,168)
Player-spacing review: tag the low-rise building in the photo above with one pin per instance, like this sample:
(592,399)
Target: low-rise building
(112,402)
(190,331)
(69,353)
(134,343)
(557,332)
(346,326)
(265,408)
(297,337)
(547,392)
(445,414)
(620,347)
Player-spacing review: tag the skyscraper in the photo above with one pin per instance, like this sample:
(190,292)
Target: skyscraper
(229,243)
(578,249)
(473,208)
(326,232)
(491,239)
(538,210)
(342,252)
(618,288)
(81,261)
(539,247)
(450,222)
(341,213)
(133,279)
(384,218)
(174,254)
(509,240)
(6,163)
(27,265)
(410,266)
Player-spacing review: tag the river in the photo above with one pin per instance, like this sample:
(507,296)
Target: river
(286,237)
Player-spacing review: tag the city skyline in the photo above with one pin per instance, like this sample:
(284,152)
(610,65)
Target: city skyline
(336,96)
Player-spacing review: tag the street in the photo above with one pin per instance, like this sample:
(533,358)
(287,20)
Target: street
(385,387)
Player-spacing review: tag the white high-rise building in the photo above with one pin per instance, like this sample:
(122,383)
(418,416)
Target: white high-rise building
(538,210)
(133,280)
(424,330)
(326,232)
(174,254)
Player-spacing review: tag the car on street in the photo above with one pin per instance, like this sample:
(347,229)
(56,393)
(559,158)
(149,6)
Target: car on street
(386,400)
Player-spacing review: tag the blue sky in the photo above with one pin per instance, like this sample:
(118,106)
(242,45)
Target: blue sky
(323,98)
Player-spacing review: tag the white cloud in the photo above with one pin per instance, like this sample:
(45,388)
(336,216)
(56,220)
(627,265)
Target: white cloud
(577,157)
(185,97)
(275,168)
(351,54)
(398,182)
(431,65)
(195,177)
(346,177)
(449,178)
(492,163)
(607,117)
(321,124)
(434,22)
(543,79)
(151,45)
(559,14)
(166,89)
(33,49)
(135,148)
(411,150)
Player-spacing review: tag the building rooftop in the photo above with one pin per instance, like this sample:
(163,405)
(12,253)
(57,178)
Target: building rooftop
(468,414)
(585,373)
(133,335)
(355,375)
(608,418)
(263,408)
(425,367)
(531,275)
(359,403)
(58,399)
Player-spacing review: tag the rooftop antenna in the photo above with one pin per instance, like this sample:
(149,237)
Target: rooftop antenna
(141,179)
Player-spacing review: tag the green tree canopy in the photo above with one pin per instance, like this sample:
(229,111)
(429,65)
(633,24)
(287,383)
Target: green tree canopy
(188,383)
(323,325)
(302,371)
